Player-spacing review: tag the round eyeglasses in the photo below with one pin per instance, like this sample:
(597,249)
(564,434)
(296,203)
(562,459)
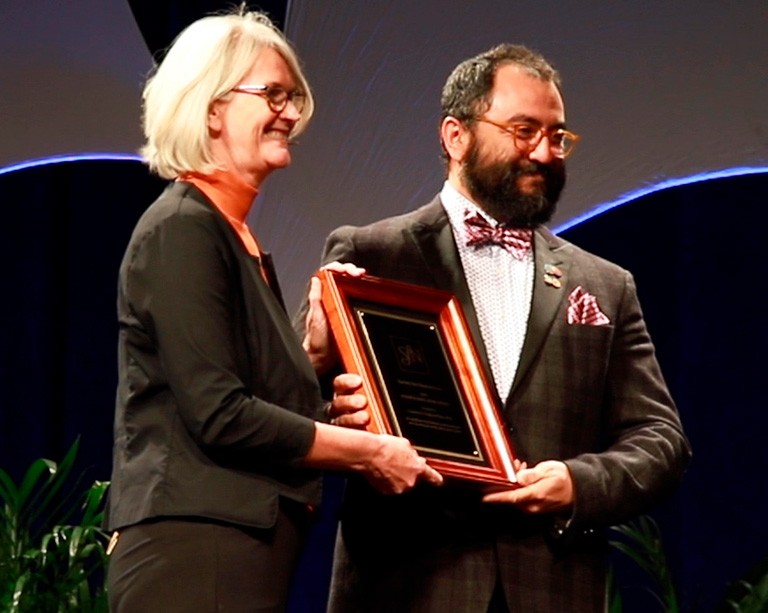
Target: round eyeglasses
(277,98)
(527,137)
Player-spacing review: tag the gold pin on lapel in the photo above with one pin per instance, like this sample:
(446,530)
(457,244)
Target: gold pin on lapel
(551,269)
(552,276)
(553,281)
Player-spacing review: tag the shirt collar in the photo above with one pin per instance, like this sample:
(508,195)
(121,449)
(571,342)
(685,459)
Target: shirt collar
(231,195)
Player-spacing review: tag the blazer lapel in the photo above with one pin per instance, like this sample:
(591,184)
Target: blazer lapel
(269,266)
(552,264)
(433,237)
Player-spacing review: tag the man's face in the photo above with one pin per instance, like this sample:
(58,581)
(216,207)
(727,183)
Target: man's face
(512,184)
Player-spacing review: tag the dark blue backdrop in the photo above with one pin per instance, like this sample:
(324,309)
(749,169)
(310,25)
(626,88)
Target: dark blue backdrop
(696,252)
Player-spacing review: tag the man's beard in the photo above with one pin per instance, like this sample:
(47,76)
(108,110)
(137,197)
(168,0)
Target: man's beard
(495,188)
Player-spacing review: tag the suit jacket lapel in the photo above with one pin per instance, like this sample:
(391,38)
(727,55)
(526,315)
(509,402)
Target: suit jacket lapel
(433,237)
(552,264)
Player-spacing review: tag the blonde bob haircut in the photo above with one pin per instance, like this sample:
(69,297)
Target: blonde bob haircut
(204,63)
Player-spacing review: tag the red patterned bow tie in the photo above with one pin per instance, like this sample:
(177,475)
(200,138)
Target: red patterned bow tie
(481,233)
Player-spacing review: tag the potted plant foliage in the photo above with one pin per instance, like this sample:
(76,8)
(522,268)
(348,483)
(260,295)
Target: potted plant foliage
(750,594)
(52,549)
(640,539)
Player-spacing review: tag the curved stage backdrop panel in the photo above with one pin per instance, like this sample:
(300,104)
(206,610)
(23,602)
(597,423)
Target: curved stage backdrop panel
(697,252)
(65,228)
(652,105)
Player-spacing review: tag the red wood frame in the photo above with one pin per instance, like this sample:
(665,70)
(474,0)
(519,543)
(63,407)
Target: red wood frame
(340,290)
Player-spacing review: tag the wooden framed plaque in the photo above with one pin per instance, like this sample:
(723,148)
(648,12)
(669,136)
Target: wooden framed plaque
(421,373)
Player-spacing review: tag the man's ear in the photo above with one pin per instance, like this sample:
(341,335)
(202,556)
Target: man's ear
(456,138)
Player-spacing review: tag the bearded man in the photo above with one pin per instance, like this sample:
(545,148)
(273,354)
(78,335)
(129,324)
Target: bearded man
(560,333)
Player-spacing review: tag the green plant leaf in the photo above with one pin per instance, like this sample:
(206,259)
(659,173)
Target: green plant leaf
(642,543)
(750,594)
(93,511)
(615,603)
(47,500)
(18,591)
(38,491)
(51,543)
(8,489)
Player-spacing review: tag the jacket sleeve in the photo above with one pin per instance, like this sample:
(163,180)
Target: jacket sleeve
(645,450)
(179,285)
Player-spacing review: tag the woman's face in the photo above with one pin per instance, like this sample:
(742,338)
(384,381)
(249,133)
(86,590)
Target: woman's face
(247,136)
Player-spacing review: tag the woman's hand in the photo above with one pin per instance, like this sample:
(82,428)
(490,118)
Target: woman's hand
(396,467)
(389,463)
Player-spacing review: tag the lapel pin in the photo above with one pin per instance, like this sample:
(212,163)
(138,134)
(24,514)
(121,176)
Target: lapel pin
(553,281)
(552,276)
(552,270)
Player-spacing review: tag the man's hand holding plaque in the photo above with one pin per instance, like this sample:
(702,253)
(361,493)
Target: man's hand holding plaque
(348,408)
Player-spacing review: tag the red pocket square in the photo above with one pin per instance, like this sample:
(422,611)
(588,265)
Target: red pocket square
(583,309)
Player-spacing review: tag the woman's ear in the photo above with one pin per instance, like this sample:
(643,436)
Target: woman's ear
(215,112)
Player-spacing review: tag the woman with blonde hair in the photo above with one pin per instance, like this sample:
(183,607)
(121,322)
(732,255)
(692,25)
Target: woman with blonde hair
(218,426)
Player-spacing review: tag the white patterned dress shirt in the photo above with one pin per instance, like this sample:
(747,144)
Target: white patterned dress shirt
(501,287)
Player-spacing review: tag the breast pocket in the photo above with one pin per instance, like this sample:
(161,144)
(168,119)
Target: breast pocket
(575,363)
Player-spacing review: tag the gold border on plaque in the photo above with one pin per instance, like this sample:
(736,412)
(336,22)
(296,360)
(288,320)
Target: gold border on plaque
(346,300)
